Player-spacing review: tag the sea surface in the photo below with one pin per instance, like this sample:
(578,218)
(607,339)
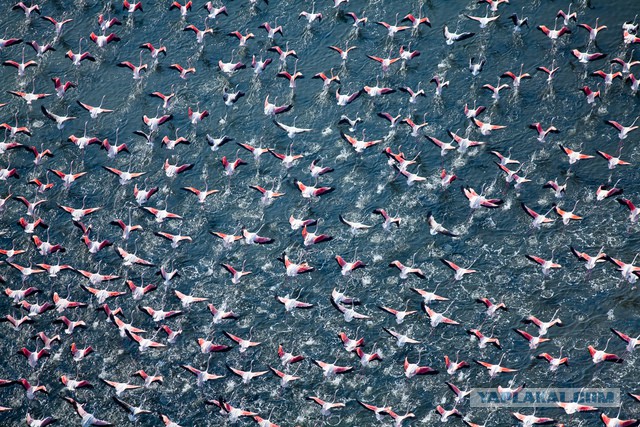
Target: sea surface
(494,241)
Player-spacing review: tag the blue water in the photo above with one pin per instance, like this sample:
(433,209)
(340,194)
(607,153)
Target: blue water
(495,241)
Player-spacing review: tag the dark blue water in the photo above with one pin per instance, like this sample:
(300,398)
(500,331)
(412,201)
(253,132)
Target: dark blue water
(495,241)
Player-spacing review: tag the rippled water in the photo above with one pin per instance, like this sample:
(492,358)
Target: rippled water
(494,241)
